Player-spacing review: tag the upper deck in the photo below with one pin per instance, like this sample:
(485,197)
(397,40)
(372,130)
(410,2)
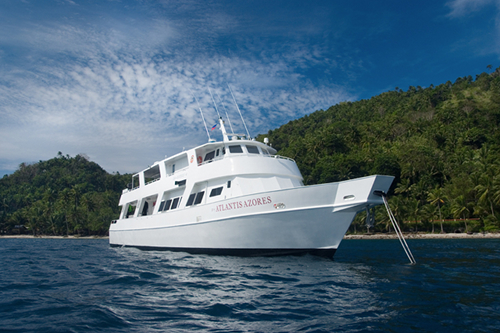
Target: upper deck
(227,169)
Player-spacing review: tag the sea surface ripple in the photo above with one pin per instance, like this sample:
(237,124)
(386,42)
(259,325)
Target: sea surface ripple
(67,285)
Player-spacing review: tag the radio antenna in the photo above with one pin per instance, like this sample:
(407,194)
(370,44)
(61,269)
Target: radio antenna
(227,116)
(202,117)
(216,109)
(243,120)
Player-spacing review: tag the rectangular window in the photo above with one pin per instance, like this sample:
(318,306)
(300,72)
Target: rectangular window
(252,149)
(210,156)
(191,199)
(152,174)
(217,152)
(216,191)
(199,197)
(228,184)
(173,168)
(135,181)
(235,149)
(131,209)
(264,151)
(175,202)
(167,205)
(161,206)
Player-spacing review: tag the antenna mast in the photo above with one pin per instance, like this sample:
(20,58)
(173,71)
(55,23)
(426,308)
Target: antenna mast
(243,120)
(227,116)
(216,109)
(202,117)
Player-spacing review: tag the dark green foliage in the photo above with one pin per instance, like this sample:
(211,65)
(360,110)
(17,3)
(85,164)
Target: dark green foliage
(61,196)
(442,139)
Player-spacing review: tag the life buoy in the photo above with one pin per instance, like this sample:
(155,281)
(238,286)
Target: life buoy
(199,159)
(192,158)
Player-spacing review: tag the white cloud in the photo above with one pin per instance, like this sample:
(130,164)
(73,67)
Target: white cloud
(461,8)
(121,93)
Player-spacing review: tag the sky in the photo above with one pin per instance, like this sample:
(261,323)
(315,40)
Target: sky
(123,81)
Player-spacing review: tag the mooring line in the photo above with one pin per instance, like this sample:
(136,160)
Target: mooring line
(395,224)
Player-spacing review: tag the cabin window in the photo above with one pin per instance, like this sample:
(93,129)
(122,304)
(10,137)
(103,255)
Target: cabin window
(195,198)
(131,209)
(162,204)
(235,149)
(228,184)
(216,191)
(209,156)
(217,152)
(191,199)
(252,149)
(145,209)
(167,205)
(223,150)
(173,168)
(199,197)
(135,181)
(152,174)
(264,151)
(175,202)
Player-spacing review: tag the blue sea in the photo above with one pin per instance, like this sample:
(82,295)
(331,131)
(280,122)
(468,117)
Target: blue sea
(83,285)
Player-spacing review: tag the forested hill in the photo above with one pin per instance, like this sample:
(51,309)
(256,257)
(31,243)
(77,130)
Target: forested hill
(62,196)
(442,144)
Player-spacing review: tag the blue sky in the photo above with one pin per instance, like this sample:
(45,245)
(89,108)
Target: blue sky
(115,79)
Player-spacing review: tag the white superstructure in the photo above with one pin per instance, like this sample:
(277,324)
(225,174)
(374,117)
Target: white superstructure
(238,197)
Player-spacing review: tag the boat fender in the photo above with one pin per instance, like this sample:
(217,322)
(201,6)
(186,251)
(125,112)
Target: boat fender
(192,158)
(199,159)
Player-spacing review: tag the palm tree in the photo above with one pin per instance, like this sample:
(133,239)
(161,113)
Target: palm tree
(436,197)
(460,209)
(485,190)
(404,187)
(65,200)
(398,208)
(414,208)
(429,213)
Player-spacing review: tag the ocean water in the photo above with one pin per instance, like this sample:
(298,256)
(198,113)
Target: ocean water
(66,285)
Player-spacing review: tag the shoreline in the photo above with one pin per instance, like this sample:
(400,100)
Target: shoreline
(360,236)
(425,236)
(51,237)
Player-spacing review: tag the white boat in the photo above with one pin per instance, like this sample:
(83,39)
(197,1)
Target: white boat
(237,197)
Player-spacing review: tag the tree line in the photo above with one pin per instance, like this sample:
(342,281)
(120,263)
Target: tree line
(442,143)
(62,196)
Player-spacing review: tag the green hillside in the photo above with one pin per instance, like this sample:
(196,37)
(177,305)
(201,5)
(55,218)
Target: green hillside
(442,144)
(62,196)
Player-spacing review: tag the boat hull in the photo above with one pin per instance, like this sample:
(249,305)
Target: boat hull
(309,219)
(327,253)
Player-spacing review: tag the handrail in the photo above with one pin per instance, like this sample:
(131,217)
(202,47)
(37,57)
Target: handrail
(282,157)
(154,180)
(177,171)
(248,155)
